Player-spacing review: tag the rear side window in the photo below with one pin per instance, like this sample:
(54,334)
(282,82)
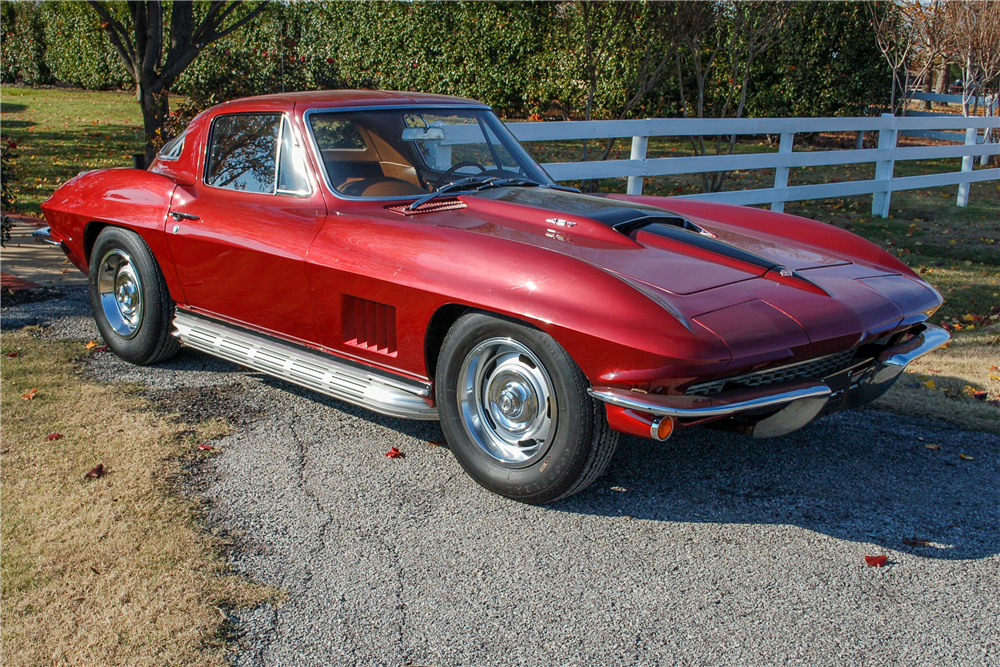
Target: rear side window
(172,149)
(242,153)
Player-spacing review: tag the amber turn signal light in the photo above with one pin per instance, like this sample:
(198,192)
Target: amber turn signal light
(662,428)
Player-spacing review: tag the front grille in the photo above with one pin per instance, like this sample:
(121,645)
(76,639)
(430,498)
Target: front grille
(817,368)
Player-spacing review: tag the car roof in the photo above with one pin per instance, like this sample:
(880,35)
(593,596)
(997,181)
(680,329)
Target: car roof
(328,99)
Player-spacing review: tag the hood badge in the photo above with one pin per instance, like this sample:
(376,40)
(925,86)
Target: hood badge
(786,273)
(559,222)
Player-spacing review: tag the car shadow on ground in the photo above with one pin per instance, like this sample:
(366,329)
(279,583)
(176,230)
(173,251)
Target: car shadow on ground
(863,476)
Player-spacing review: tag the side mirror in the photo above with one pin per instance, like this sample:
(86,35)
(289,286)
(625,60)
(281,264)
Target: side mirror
(423,134)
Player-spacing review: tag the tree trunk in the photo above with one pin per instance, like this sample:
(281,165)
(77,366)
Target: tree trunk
(941,87)
(154,115)
(928,85)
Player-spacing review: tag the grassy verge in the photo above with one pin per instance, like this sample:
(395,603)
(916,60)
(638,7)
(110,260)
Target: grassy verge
(112,570)
(60,132)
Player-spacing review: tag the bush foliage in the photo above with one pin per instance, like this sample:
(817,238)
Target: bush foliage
(523,58)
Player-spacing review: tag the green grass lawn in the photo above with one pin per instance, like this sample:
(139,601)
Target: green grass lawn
(60,132)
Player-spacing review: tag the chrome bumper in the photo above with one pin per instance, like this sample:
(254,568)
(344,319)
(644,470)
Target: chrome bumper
(44,235)
(800,402)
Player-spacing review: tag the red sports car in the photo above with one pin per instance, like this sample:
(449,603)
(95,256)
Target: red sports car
(404,253)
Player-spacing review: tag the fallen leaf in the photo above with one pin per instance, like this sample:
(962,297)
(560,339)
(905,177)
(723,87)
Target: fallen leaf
(915,542)
(205,448)
(932,446)
(91,345)
(394,453)
(966,457)
(53,436)
(13,354)
(31,394)
(933,370)
(96,471)
(94,570)
(436,443)
(994,377)
(979,395)
(929,384)
(64,271)
(876,561)
(100,348)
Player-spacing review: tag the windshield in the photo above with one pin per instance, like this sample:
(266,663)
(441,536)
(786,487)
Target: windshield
(416,151)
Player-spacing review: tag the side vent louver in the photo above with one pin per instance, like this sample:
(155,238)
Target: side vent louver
(370,325)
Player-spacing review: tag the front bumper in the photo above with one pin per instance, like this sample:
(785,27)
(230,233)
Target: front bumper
(789,406)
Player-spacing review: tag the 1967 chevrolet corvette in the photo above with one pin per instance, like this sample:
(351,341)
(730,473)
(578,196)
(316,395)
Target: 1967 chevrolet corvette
(402,252)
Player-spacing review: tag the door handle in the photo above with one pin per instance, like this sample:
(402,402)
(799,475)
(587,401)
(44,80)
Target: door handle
(177,215)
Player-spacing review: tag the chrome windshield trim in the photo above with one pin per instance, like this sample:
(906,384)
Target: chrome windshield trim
(720,405)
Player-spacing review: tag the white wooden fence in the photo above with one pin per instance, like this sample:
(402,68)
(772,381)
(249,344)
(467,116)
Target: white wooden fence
(889,127)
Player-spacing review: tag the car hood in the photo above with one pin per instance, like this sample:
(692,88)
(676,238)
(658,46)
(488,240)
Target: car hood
(643,243)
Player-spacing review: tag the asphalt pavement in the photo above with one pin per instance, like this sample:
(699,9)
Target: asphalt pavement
(709,549)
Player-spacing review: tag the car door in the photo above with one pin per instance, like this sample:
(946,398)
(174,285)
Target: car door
(239,236)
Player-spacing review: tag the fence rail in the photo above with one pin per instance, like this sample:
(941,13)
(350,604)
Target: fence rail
(887,153)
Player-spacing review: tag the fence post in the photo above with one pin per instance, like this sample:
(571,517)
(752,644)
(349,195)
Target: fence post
(638,153)
(967,162)
(991,110)
(883,169)
(781,173)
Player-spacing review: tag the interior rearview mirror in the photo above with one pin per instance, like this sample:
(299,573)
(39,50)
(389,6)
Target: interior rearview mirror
(423,134)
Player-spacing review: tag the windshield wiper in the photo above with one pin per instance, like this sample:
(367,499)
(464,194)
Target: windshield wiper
(478,183)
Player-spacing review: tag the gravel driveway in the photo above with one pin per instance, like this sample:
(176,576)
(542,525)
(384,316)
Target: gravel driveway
(710,549)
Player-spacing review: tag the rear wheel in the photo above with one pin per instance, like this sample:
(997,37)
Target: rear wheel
(514,408)
(131,302)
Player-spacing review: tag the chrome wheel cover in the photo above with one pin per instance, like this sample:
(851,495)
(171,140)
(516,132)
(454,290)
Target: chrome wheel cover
(120,290)
(507,402)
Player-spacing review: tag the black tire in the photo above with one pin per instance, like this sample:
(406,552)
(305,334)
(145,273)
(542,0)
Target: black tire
(121,259)
(570,454)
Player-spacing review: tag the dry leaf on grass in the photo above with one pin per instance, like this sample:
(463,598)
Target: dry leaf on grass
(205,448)
(929,384)
(91,345)
(31,394)
(96,471)
(13,354)
(436,443)
(53,436)
(966,457)
(394,453)
(876,561)
(933,446)
(100,348)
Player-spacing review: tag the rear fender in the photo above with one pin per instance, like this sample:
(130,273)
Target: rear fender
(129,198)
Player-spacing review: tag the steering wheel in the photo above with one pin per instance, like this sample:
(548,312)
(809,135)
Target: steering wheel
(455,167)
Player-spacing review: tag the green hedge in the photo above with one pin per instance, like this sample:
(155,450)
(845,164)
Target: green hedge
(520,57)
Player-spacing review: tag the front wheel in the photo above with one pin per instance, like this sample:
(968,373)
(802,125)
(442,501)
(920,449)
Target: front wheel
(514,408)
(131,302)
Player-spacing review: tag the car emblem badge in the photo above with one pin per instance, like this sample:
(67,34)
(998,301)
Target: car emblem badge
(560,222)
(786,273)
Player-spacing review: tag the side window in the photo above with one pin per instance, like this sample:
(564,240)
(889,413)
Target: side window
(242,153)
(291,171)
(172,149)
